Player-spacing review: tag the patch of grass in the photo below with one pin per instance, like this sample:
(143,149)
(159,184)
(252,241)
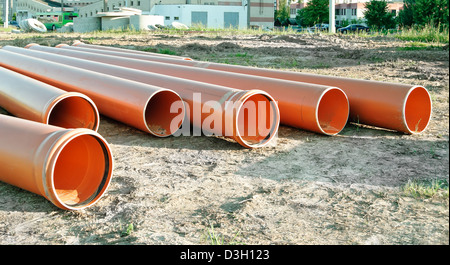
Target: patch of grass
(292,63)
(167,51)
(8,29)
(437,188)
(127,230)
(321,65)
(424,34)
(241,55)
(217,239)
(149,49)
(415,46)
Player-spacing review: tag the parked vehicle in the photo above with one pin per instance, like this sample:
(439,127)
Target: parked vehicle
(319,27)
(14,23)
(353,28)
(53,21)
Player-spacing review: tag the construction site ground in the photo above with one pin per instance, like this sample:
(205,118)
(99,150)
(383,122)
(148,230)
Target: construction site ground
(304,188)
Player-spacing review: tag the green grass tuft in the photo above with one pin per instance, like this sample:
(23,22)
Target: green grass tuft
(427,189)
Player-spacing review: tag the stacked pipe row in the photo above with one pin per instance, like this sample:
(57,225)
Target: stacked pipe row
(400,107)
(156,93)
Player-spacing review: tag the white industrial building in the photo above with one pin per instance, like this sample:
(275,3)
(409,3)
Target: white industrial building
(208,13)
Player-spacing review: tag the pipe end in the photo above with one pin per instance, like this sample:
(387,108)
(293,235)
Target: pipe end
(77,42)
(164,113)
(73,110)
(257,119)
(31,44)
(61,45)
(417,110)
(80,171)
(332,111)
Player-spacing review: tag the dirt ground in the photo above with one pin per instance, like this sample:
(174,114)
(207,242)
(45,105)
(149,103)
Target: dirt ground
(304,188)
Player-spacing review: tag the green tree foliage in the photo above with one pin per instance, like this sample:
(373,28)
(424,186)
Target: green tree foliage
(406,15)
(282,14)
(431,11)
(378,16)
(424,12)
(315,12)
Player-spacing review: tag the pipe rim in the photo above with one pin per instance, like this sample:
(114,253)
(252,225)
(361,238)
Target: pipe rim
(60,45)
(57,101)
(77,42)
(52,158)
(273,128)
(146,109)
(31,44)
(406,113)
(345,118)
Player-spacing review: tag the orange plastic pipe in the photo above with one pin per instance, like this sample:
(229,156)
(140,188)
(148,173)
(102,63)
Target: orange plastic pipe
(401,107)
(227,106)
(71,168)
(321,109)
(100,47)
(139,105)
(30,99)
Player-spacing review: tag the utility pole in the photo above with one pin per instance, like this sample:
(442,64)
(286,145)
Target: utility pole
(62,11)
(5,24)
(332,23)
(248,14)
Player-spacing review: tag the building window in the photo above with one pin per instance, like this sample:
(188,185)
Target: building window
(354,12)
(132,3)
(167,18)
(139,3)
(176,18)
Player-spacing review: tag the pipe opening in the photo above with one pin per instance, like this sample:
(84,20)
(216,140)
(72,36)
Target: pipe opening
(417,109)
(80,175)
(74,112)
(257,120)
(158,116)
(333,111)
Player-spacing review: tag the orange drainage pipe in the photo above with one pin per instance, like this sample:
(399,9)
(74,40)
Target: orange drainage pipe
(400,107)
(317,108)
(100,47)
(30,99)
(139,105)
(227,108)
(71,168)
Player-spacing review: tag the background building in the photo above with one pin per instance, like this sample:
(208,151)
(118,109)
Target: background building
(350,11)
(209,13)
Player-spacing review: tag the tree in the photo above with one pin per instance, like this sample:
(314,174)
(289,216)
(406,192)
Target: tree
(423,12)
(406,15)
(378,16)
(282,14)
(431,11)
(315,12)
